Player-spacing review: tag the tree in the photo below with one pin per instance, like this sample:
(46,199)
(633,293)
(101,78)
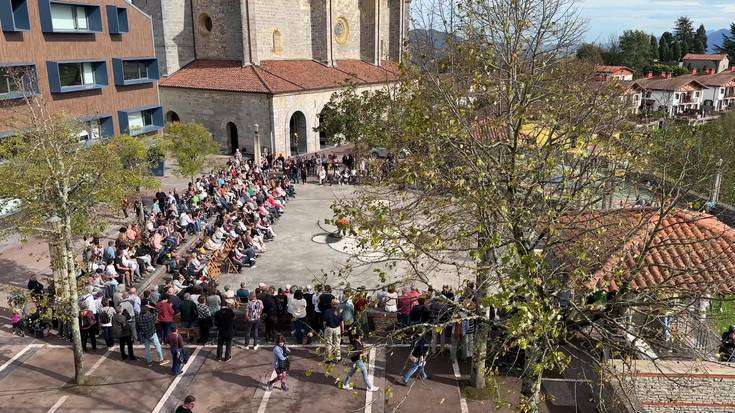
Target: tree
(676,52)
(62,182)
(190,144)
(482,184)
(684,33)
(591,52)
(728,44)
(700,40)
(636,47)
(654,48)
(134,155)
(664,53)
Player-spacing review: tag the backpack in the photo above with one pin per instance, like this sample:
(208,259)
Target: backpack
(120,326)
(104,317)
(86,320)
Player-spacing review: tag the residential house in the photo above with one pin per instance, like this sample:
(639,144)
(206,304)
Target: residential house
(671,95)
(92,60)
(633,95)
(716,62)
(614,72)
(720,92)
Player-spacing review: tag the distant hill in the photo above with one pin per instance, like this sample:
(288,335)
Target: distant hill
(422,38)
(715,38)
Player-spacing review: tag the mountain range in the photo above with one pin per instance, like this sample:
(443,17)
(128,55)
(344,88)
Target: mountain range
(715,38)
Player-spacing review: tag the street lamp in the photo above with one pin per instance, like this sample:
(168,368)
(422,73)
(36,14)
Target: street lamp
(256,143)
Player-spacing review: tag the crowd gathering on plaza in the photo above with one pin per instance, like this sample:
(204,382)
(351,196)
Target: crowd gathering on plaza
(229,218)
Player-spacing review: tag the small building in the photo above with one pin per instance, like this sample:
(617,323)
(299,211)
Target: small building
(717,62)
(92,60)
(614,72)
(720,92)
(633,95)
(672,95)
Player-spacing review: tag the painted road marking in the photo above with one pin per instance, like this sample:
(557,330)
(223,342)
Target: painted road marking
(19,355)
(97,364)
(172,386)
(458,376)
(58,404)
(266,395)
(371,374)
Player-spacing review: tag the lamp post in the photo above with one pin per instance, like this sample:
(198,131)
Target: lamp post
(256,143)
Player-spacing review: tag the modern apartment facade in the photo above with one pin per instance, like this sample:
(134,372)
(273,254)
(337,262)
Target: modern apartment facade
(89,60)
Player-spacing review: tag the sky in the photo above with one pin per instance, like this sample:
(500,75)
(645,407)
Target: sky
(611,17)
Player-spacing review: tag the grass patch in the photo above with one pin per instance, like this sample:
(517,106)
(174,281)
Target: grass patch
(723,313)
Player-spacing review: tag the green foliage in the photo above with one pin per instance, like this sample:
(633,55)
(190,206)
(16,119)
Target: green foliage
(352,116)
(684,33)
(637,50)
(52,174)
(190,144)
(591,52)
(728,44)
(654,47)
(700,40)
(657,69)
(676,51)
(135,156)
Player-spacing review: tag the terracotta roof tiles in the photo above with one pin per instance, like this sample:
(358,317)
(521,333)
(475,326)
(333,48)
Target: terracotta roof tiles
(700,56)
(278,76)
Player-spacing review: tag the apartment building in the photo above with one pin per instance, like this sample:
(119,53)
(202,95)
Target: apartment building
(89,60)
(673,95)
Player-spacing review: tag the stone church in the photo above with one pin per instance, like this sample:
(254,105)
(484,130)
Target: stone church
(262,70)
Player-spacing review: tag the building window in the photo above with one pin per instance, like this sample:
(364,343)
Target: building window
(676,96)
(277,42)
(135,71)
(137,121)
(117,19)
(205,23)
(60,17)
(14,16)
(94,128)
(18,81)
(75,76)
(341,30)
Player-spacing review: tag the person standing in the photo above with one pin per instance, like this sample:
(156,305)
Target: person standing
(188,310)
(358,355)
(165,316)
(270,313)
(333,327)
(224,319)
(204,319)
(281,364)
(147,330)
(105,317)
(297,309)
(88,327)
(123,331)
(178,353)
(253,313)
(418,361)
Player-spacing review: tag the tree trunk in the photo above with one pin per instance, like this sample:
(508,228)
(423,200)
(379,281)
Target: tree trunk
(67,249)
(139,211)
(530,384)
(479,355)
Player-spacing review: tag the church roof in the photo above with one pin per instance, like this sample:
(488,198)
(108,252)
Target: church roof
(278,76)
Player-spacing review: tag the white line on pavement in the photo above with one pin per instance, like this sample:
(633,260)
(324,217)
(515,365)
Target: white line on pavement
(19,355)
(371,374)
(172,386)
(98,363)
(458,375)
(58,404)
(266,395)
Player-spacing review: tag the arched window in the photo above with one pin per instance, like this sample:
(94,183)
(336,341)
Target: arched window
(277,42)
(205,22)
(172,116)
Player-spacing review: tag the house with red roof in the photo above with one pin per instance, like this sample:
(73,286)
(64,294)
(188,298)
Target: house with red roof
(614,72)
(257,73)
(702,62)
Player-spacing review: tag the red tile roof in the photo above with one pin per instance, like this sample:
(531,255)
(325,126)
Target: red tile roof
(640,249)
(718,79)
(695,56)
(278,76)
(678,83)
(612,69)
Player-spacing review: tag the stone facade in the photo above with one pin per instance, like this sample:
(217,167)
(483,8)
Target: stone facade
(215,110)
(224,40)
(174,41)
(292,18)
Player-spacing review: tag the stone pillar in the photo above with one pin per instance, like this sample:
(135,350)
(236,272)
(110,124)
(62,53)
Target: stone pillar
(249,39)
(330,33)
(377,52)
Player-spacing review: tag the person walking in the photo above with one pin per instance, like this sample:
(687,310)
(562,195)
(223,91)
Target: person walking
(418,361)
(204,319)
(147,330)
(187,406)
(253,313)
(281,364)
(123,331)
(358,354)
(178,353)
(333,327)
(224,319)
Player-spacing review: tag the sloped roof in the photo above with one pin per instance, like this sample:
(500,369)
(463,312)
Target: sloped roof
(717,79)
(672,84)
(612,69)
(641,249)
(278,76)
(696,56)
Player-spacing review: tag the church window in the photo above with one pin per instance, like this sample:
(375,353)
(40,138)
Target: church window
(205,23)
(277,42)
(341,30)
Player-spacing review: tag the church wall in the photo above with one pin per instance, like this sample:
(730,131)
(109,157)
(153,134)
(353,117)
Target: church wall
(224,41)
(350,11)
(214,109)
(172,32)
(292,18)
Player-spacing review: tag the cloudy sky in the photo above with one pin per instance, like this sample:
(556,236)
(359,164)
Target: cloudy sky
(606,17)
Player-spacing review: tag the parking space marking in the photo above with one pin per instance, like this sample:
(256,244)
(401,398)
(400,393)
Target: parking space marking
(266,395)
(371,376)
(58,404)
(19,355)
(172,386)
(458,376)
(97,364)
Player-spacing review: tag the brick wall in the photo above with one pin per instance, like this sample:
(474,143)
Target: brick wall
(668,386)
(225,39)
